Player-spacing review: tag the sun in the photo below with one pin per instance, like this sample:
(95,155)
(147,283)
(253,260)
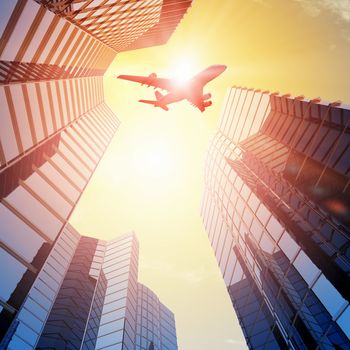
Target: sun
(183,69)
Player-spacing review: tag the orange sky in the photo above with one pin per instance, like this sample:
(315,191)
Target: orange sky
(151,177)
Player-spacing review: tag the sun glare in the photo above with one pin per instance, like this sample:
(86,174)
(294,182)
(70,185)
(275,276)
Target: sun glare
(183,69)
(153,161)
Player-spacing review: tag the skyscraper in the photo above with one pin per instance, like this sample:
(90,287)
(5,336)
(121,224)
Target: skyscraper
(155,323)
(40,188)
(98,303)
(276,209)
(118,321)
(37,45)
(170,16)
(54,129)
(76,312)
(124,25)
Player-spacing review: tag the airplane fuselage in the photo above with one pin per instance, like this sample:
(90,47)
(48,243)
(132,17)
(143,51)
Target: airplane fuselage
(192,90)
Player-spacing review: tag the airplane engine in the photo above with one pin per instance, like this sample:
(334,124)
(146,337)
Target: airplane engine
(207,96)
(207,103)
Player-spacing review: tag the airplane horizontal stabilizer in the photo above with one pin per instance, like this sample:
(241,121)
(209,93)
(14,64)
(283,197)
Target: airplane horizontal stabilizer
(155,104)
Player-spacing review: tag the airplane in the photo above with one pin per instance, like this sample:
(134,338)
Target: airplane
(192,90)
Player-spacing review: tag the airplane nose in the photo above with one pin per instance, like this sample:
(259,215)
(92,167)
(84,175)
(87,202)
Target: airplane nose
(218,68)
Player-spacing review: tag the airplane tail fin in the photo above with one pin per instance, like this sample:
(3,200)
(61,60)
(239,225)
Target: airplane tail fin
(158,95)
(155,104)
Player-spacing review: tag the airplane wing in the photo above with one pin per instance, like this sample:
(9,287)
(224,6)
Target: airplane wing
(209,73)
(151,80)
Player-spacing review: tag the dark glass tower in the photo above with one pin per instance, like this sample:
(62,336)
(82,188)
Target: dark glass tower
(155,323)
(66,324)
(98,304)
(277,212)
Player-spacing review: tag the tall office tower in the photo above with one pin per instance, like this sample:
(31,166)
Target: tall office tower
(91,300)
(124,25)
(39,190)
(132,316)
(277,212)
(67,325)
(171,14)
(117,328)
(37,45)
(54,129)
(155,322)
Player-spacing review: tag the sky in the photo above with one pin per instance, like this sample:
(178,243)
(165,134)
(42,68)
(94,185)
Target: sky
(150,180)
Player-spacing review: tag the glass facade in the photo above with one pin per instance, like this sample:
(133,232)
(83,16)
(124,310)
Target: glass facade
(86,296)
(66,323)
(132,316)
(276,212)
(54,130)
(171,14)
(124,25)
(168,338)
(118,320)
(91,300)
(38,45)
(155,323)
(93,323)
(32,315)
(39,191)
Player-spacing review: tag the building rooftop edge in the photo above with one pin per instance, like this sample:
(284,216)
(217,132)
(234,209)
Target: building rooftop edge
(316,100)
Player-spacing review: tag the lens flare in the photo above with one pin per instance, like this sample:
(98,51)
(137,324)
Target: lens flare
(183,69)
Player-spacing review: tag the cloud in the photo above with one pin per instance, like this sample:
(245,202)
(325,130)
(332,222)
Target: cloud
(236,342)
(340,8)
(191,276)
(196,276)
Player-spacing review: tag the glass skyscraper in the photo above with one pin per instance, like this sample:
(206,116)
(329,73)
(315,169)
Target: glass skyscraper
(123,25)
(277,212)
(41,183)
(91,300)
(155,324)
(54,129)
